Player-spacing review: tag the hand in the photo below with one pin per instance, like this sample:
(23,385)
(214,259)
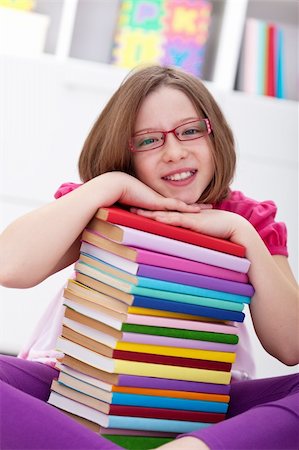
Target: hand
(129,190)
(222,224)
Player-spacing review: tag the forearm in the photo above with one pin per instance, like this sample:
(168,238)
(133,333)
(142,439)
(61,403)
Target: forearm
(36,243)
(47,240)
(275,305)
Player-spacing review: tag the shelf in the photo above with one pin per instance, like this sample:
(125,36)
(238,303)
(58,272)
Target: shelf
(84,29)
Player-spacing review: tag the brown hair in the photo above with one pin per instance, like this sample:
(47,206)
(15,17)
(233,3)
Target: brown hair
(106,147)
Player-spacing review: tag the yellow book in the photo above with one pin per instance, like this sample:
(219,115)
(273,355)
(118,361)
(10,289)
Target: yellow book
(117,366)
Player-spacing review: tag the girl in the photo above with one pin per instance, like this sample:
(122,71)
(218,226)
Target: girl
(162,146)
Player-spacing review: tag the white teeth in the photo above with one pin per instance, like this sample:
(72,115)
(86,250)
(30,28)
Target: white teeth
(180,176)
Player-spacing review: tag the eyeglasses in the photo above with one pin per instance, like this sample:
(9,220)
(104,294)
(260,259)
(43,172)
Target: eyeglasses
(188,131)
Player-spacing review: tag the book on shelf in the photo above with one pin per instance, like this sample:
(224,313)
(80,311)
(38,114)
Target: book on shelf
(268,59)
(146,305)
(134,240)
(112,351)
(117,403)
(170,275)
(118,366)
(165,32)
(150,286)
(161,260)
(109,380)
(118,216)
(134,423)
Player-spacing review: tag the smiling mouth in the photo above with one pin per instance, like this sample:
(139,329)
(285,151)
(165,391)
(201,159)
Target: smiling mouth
(180,176)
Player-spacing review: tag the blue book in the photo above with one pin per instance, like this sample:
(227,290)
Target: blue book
(158,286)
(152,401)
(186,308)
(124,422)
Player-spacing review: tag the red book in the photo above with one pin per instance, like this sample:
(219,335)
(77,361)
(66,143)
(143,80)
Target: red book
(164,413)
(271,66)
(172,360)
(119,216)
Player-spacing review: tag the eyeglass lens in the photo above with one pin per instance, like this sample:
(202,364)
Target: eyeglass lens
(185,132)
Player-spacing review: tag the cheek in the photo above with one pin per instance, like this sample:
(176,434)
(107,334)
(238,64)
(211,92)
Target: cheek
(143,167)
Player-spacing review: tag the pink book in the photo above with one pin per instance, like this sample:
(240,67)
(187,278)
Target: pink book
(177,342)
(139,241)
(166,261)
(181,324)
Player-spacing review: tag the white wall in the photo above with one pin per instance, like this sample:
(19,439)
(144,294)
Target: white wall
(46,110)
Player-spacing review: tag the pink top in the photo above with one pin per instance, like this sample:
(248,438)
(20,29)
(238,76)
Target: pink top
(41,346)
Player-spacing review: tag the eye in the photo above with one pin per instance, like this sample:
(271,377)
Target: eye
(146,141)
(191,131)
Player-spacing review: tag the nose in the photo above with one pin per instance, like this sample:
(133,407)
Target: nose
(173,149)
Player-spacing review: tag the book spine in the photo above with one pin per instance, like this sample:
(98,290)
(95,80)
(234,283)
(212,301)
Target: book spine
(182,324)
(121,217)
(197,280)
(139,423)
(186,308)
(166,413)
(152,401)
(168,290)
(136,238)
(209,355)
(171,360)
(177,342)
(179,332)
(164,383)
(172,372)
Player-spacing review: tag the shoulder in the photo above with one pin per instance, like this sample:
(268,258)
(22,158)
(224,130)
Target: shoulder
(247,207)
(262,215)
(65,188)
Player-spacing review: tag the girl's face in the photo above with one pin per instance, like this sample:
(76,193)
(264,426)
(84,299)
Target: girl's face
(178,169)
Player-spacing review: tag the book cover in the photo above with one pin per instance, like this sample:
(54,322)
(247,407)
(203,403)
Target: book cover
(125,291)
(146,369)
(134,423)
(118,216)
(121,399)
(136,381)
(169,32)
(128,355)
(129,330)
(162,347)
(65,371)
(107,335)
(79,290)
(140,283)
(134,240)
(115,319)
(161,261)
(170,275)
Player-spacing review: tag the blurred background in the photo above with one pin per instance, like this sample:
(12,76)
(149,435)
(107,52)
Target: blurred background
(60,61)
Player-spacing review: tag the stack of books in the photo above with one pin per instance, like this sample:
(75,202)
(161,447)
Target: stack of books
(148,332)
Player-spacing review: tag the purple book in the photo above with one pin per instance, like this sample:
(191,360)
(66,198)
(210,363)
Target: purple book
(191,279)
(176,385)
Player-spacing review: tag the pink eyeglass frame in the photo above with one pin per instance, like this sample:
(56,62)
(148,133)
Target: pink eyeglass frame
(165,133)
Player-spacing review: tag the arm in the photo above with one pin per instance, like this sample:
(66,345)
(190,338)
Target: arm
(275,304)
(48,239)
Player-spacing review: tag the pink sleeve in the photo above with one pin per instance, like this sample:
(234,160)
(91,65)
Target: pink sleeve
(65,188)
(262,216)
